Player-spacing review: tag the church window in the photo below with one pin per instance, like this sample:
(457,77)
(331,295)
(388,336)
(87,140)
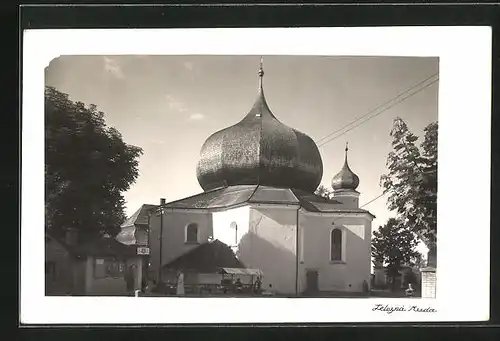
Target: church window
(192,233)
(336,245)
(234,227)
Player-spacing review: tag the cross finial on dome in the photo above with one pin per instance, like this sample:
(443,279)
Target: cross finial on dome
(261,72)
(346,149)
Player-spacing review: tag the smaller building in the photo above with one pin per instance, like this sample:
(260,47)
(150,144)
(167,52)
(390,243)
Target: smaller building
(109,267)
(102,266)
(60,278)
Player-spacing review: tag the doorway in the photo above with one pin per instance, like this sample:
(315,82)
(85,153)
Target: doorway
(312,281)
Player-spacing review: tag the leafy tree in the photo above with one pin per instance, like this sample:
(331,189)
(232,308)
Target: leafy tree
(87,167)
(394,245)
(324,192)
(411,180)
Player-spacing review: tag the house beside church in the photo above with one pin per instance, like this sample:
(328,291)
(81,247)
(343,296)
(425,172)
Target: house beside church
(258,178)
(96,267)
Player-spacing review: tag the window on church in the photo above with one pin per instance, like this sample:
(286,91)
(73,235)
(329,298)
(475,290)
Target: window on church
(234,227)
(192,233)
(336,245)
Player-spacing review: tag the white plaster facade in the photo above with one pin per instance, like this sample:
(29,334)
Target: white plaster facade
(173,234)
(353,269)
(266,237)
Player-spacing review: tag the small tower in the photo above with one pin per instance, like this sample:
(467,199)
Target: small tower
(344,185)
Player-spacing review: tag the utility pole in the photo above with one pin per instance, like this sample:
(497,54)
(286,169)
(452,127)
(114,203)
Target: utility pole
(160,211)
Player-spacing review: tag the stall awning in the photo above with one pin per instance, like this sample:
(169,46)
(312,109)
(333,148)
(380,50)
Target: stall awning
(242,271)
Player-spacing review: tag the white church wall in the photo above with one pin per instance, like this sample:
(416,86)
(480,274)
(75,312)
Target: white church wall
(174,234)
(270,245)
(348,200)
(229,226)
(355,266)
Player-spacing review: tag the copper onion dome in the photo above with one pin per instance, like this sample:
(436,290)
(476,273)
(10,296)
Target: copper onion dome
(345,179)
(260,150)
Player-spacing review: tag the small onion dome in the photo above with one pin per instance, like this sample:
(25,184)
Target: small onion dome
(260,150)
(345,179)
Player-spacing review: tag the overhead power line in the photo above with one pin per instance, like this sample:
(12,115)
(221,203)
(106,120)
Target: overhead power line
(374,199)
(399,98)
(404,96)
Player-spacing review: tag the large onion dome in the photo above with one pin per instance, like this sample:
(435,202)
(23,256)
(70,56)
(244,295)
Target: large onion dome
(260,150)
(345,179)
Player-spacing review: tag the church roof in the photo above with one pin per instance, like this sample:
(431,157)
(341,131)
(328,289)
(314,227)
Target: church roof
(259,150)
(232,196)
(206,258)
(140,217)
(105,246)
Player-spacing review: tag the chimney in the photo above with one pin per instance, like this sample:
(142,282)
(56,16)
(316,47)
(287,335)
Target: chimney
(162,201)
(71,236)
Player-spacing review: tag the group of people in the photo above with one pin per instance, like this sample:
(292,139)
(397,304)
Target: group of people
(256,287)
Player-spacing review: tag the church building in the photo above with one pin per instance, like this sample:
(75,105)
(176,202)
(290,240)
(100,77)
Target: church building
(258,178)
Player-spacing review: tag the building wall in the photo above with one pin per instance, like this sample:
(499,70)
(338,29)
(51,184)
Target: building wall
(270,245)
(355,267)
(141,235)
(110,285)
(174,234)
(59,276)
(347,198)
(229,226)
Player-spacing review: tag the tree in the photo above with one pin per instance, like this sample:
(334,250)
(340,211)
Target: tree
(411,180)
(394,245)
(87,167)
(324,192)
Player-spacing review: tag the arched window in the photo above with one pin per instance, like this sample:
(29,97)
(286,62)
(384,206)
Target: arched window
(192,233)
(234,227)
(336,245)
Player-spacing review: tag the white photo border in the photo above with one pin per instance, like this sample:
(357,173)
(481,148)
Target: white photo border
(464,145)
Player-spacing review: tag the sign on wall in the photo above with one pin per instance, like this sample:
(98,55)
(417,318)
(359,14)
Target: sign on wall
(143,250)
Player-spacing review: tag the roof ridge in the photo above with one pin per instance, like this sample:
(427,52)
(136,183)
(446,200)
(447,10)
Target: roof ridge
(194,195)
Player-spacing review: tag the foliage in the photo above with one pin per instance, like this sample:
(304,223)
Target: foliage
(393,245)
(324,192)
(411,180)
(87,167)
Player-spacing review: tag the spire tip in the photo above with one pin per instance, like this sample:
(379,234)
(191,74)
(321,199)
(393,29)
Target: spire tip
(261,72)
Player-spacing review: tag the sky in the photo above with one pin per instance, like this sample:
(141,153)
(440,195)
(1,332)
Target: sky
(169,105)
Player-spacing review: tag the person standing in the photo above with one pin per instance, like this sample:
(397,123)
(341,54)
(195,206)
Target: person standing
(258,285)
(180,283)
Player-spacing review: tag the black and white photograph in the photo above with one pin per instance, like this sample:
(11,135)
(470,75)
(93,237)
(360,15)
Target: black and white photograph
(269,176)
(245,204)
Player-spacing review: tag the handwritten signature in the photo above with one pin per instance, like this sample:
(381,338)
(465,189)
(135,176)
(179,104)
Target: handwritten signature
(390,309)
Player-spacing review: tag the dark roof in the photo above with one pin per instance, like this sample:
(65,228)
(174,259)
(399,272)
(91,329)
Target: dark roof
(140,217)
(227,197)
(207,258)
(259,150)
(105,246)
